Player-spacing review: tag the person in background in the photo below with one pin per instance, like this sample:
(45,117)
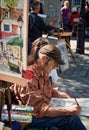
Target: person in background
(41,7)
(39,92)
(74,19)
(37,26)
(87,15)
(65,13)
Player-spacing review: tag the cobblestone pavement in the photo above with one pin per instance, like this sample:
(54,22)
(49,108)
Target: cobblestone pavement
(75,80)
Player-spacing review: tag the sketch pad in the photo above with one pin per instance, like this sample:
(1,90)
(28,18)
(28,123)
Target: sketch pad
(61,102)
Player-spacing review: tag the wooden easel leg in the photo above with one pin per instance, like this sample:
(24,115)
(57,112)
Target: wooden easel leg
(2,98)
(1,102)
(8,95)
(69,47)
(71,53)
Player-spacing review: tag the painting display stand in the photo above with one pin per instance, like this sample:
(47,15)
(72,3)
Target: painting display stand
(66,36)
(5,93)
(69,47)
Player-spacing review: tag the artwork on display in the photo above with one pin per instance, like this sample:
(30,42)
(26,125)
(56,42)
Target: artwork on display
(13,37)
(51,9)
(62,47)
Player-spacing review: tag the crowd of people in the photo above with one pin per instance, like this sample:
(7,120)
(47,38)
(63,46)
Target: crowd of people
(42,59)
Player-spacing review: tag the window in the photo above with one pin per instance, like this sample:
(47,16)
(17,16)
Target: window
(6,27)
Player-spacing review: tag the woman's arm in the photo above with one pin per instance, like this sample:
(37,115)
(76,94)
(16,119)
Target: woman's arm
(57,111)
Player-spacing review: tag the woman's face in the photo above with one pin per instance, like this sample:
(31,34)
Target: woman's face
(66,4)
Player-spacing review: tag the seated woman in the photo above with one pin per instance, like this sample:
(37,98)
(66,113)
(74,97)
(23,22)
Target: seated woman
(39,92)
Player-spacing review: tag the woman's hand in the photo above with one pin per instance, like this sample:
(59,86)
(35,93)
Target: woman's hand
(74,110)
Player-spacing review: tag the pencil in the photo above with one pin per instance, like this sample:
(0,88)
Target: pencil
(76,101)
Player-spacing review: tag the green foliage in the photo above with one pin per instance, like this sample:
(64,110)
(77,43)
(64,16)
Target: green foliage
(11,3)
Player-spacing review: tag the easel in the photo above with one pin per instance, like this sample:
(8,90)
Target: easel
(66,36)
(9,79)
(5,92)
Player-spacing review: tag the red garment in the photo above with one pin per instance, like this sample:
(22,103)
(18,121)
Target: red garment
(28,74)
(74,17)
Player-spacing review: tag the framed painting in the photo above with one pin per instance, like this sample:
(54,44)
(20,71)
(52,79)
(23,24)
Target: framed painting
(13,37)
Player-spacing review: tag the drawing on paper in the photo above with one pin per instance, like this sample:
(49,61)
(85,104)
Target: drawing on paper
(62,102)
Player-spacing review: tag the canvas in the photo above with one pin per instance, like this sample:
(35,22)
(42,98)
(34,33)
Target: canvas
(62,47)
(13,37)
(51,8)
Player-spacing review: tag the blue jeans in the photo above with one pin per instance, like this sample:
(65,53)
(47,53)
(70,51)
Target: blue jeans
(62,122)
(66,25)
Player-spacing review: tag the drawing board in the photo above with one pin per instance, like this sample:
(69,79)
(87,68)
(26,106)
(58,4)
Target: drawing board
(51,8)
(62,102)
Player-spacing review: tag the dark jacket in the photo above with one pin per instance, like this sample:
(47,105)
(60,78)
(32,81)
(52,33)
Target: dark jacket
(37,27)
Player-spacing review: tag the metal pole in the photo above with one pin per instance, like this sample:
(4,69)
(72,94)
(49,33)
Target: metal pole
(81,30)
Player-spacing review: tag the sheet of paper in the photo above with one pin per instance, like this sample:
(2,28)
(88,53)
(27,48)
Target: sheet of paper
(61,102)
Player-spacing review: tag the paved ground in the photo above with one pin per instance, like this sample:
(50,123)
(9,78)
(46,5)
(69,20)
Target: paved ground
(75,80)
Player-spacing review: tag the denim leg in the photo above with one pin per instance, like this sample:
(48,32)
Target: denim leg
(66,25)
(62,122)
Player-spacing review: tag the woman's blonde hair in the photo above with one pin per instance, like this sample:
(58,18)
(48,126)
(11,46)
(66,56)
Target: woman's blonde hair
(66,3)
(36,46)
